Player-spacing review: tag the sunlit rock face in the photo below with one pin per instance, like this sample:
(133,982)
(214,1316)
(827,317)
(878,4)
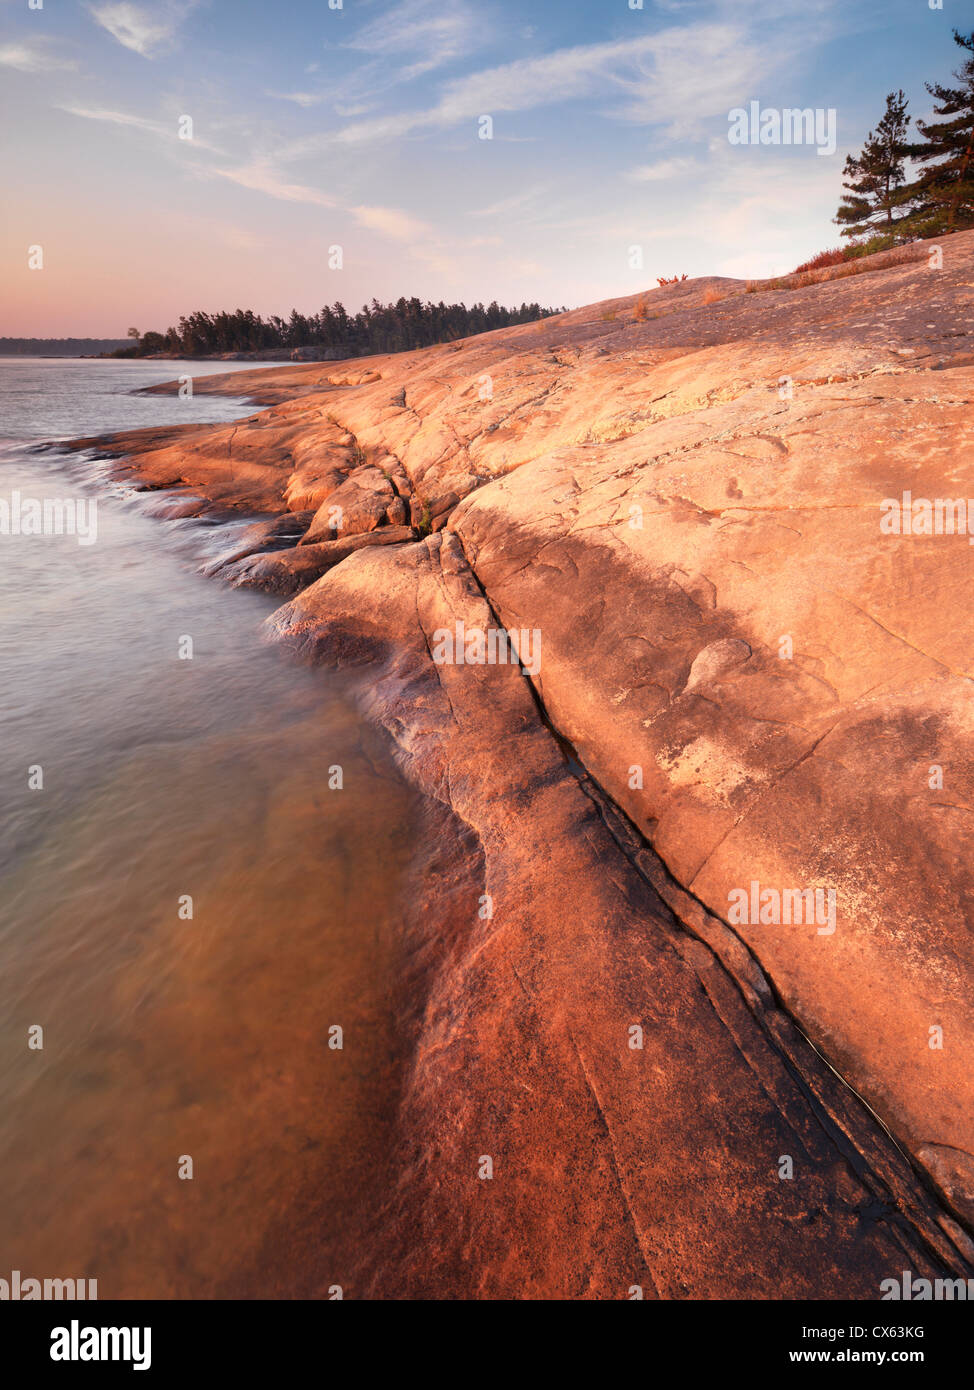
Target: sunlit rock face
(732,793)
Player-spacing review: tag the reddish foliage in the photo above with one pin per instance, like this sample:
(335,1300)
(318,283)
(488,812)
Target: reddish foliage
(824,258)
(661,280)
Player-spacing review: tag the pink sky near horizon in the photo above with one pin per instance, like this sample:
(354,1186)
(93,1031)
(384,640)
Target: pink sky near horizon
(360,129)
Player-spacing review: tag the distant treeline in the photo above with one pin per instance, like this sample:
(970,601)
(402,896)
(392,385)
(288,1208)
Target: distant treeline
(408,323)
(57,347)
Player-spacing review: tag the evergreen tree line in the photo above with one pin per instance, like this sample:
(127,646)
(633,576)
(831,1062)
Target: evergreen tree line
(884,204)
(408,323)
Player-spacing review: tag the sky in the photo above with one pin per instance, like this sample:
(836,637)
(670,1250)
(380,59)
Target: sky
(359,125)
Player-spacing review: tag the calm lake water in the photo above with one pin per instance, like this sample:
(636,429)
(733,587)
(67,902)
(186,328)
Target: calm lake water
(163,1036)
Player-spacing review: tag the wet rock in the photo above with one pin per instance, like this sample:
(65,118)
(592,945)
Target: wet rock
(277,533)
(287,572)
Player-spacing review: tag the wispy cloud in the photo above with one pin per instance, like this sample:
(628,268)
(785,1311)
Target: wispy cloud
(435,31)
(676,76)
(393,223)
(260,177)
(34,55)
(662,170)
(537,196)
(145,29)
(160,129)
(309,99)
(301,98)
(409,41)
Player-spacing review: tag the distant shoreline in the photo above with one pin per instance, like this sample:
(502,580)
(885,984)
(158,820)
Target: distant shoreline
(155,357)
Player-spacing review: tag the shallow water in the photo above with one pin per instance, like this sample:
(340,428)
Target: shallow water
(166,1036)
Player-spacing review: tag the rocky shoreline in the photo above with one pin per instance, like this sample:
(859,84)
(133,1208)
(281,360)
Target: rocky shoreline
(744,684)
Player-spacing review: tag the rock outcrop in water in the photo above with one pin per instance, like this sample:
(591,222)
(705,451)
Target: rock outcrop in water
(751,704)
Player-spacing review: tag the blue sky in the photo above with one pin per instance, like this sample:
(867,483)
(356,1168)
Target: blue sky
(359,127)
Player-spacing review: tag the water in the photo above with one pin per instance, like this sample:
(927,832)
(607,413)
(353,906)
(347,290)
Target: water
(163,1036)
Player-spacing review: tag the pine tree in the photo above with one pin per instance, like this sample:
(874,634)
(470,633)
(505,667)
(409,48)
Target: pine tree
(875,179)
(376,328)
(943,195)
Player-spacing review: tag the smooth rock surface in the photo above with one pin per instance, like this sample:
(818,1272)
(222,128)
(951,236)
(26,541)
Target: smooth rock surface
(682,492)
